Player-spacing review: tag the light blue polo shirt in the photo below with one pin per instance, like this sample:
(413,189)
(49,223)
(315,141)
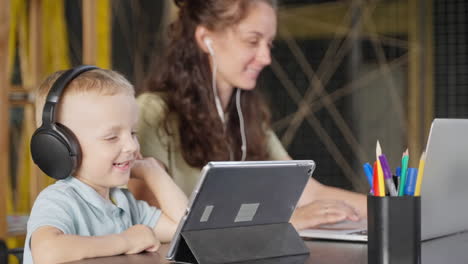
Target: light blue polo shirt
(77,209)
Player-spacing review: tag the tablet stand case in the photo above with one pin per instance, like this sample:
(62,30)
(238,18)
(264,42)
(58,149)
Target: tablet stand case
(240,244)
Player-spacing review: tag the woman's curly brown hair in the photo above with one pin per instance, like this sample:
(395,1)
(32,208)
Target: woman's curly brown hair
(184,73)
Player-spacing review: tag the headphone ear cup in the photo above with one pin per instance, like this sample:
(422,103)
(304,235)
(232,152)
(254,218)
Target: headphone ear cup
(56,151)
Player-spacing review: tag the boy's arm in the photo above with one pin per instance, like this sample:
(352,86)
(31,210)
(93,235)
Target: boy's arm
(170,198)
(50,245)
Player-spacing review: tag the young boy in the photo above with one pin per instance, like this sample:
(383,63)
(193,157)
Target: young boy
(86,215)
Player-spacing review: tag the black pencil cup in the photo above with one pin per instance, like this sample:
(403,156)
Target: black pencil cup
(394,229)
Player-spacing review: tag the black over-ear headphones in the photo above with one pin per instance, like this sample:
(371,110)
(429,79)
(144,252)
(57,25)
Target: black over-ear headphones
(54,147)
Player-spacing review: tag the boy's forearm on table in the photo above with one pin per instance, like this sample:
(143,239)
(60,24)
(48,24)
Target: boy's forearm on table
(64,248)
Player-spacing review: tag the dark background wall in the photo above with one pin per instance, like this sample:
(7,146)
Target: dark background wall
(136,37)
(451,58)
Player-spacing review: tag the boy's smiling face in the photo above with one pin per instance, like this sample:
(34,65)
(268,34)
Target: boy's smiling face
(105,128)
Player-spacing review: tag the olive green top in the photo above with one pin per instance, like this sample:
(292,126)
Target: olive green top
(156,142)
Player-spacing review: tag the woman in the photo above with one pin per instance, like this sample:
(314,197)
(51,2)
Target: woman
(201,104)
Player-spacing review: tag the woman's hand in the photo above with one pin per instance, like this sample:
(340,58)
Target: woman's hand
(321,212)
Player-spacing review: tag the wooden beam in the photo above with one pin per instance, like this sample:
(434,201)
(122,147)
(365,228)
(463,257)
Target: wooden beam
(420,74)
(414,83)
(323,20)
(429,106)
(35,74)
(20,97)
(104,33)
(4,113)
(35,43)
(89,32)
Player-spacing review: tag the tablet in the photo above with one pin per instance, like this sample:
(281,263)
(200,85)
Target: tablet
(235,194)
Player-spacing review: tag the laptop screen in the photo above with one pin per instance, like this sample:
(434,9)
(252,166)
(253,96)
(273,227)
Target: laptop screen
(444,194)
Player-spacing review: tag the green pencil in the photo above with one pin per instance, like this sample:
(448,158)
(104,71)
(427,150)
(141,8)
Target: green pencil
(404,169)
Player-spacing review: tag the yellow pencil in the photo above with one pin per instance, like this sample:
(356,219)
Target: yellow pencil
(422,162)
(380,175)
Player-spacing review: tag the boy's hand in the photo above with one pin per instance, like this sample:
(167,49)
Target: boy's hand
(145,167)
(140,238)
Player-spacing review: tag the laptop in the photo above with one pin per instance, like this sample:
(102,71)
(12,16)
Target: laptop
(236,194)
(345,230)
(444,193)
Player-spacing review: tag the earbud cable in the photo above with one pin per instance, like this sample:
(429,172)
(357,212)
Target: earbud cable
(241,125)
(220,111)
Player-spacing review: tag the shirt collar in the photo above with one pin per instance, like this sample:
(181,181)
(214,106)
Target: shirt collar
(120,199)
(92,197)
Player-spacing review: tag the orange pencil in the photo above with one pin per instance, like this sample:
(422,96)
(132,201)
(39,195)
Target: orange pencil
(375,183)
(380,175)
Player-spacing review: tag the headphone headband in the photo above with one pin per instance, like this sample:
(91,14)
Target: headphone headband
(53,97)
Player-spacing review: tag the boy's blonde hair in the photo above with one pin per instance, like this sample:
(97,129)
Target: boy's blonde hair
(100,81)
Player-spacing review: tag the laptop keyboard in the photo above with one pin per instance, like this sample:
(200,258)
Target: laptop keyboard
(360,232)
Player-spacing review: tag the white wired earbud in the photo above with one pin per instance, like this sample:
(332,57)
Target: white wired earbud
(219,107)
(209,46)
